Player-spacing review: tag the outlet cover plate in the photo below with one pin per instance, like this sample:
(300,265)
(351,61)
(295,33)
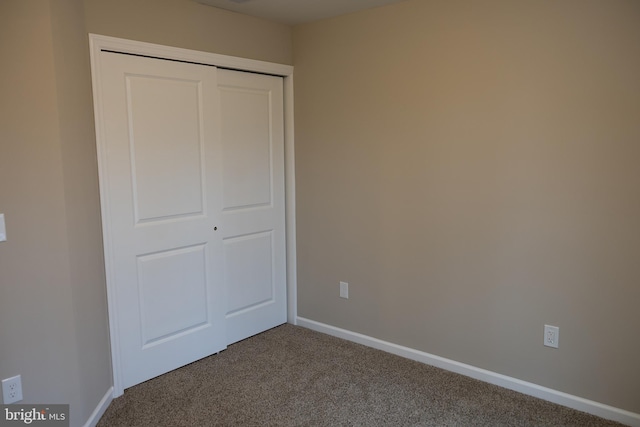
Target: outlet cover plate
(12,390)
(551,336)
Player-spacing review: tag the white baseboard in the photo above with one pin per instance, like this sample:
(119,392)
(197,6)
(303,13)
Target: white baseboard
(99,411)
(554,396)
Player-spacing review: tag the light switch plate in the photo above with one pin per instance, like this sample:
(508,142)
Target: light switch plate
(3,230)
(344,290)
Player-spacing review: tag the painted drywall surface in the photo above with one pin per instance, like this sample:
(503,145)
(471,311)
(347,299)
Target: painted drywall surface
(471,169)
(37,330)
(82,202)
(191,25)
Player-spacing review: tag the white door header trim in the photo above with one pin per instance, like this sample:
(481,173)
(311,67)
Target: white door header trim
(99,43)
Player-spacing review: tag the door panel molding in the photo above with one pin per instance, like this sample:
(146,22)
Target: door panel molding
(98,44)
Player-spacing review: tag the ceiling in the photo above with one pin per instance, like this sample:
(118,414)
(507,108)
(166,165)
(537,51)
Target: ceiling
(295,12)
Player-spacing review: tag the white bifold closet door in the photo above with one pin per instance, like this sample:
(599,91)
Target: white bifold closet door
(192,176)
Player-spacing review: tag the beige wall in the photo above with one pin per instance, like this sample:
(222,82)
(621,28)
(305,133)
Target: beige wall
(471,169)
(37,326)
(190,25)
(53,313)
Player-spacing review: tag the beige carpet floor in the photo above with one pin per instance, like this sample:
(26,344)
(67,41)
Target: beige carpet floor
(291,376)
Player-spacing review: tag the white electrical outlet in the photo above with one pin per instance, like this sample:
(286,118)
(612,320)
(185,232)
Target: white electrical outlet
(551,336)
(12,390)
(344,290)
